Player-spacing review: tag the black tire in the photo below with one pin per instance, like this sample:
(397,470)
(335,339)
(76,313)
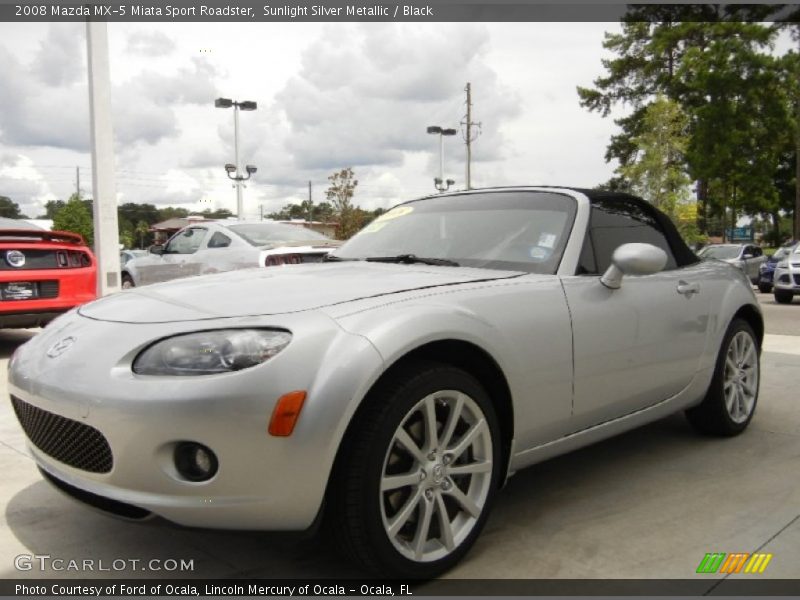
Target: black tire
(712,415)
(127,281)
(764,288)
(356,510)
(783,296)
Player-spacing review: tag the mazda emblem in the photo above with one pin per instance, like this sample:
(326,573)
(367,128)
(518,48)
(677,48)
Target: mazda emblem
(60,347)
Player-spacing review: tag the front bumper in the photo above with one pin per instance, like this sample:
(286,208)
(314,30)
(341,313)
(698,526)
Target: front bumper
(787,279)
(263,482)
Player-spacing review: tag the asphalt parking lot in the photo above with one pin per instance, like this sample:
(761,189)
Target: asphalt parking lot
(648,504)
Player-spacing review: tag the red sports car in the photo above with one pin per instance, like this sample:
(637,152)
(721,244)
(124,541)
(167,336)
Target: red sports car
(42,274)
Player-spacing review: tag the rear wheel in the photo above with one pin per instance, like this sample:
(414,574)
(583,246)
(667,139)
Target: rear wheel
(127,282)
(783,296)
(731,399)
(414,485)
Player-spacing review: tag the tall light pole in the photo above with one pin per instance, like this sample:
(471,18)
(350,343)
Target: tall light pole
(439,182)
(234,171)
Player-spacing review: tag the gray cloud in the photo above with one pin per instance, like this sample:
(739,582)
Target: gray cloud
(150,43)
(61,60)
(48,105)
(365,95)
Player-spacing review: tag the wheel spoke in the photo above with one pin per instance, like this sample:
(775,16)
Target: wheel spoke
(401,518)
(469,437)
(431,437)
(742,409)
(466,503)
(732,367)
(471,468)
(445,527)
(409,444)
(452,421)
(423,527)
(750,356)
(392,482)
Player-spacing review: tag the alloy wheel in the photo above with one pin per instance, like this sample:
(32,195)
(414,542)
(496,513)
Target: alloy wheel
(741,377)
(436,476)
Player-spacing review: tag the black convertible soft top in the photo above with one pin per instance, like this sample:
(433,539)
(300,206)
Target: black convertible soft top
(683,254)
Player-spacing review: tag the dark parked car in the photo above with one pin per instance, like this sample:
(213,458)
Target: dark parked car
(767,270)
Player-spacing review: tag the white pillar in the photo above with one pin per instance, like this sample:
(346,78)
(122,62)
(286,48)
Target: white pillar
(104,192)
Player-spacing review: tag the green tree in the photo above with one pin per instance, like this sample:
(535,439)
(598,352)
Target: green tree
(170,212)
(76,217)
(657,170)
(51,207)
(10,209)
(340,194)
(714,61)
(142,230)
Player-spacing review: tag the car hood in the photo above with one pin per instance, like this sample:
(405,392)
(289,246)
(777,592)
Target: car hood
(275,290)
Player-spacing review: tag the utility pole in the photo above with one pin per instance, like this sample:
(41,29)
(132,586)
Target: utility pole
(468,134)
(310,204)
(78,182)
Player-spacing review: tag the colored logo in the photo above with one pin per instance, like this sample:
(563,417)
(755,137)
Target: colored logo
(736,562)
(15,258)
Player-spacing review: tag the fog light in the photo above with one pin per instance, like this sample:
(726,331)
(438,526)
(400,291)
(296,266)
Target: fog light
(195,462)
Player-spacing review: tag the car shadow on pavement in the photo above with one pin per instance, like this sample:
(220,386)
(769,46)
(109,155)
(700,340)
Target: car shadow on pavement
(46,522)
(11,339)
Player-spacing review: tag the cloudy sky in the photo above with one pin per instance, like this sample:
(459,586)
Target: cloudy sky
(329,96)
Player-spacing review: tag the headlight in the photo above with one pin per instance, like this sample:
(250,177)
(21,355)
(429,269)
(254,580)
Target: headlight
(209,352)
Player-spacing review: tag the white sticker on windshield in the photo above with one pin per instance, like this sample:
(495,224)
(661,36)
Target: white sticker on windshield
(548,240)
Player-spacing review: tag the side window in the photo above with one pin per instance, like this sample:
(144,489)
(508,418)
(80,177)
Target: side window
(219,240)
(617,222)
(586,262)
(755,251)
(186,241)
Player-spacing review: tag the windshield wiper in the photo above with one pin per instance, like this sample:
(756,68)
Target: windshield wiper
(413,258)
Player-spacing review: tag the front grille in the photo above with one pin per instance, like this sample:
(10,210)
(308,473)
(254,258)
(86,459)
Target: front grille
(68,441)
(796,279)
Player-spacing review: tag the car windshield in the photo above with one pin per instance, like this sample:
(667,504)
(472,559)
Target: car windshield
(721,252)
(513,230)
(783,252)
(263,234)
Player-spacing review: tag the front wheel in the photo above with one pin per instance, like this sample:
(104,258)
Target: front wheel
(418,473)
(764,288)
(127,282)
(783,296)
(732,396)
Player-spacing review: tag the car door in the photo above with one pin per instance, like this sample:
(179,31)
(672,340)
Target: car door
(212,255)
(640,344)
(176,261)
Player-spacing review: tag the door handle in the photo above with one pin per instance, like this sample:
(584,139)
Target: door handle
(687,289)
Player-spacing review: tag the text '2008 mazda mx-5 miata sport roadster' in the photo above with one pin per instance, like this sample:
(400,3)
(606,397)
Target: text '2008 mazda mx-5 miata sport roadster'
(393,387)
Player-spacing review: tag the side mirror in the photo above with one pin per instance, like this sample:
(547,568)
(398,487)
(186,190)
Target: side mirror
(633,259)
(156,249)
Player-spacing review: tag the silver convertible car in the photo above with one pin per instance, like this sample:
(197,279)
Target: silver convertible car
(390,390)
